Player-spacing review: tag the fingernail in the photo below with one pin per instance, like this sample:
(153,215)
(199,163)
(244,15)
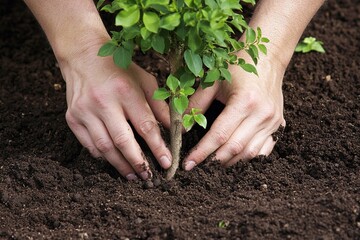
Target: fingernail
(189,165)
(165,162)
(145,175)
(131,177)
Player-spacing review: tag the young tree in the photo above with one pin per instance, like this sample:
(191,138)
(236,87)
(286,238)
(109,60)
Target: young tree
(197,39)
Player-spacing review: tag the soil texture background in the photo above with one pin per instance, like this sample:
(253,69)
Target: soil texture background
(308,188)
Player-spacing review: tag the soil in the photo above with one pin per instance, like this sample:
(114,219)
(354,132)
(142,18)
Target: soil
(308,188)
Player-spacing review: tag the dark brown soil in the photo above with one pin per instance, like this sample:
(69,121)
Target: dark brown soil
(309,188)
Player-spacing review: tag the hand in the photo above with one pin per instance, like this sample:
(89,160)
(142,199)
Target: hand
(101,98)
(253,112)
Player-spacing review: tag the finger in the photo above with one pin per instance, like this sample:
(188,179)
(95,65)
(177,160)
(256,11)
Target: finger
(121,139)
(149,84)
(219,134)
(261,144)
(82,135)
(115,159)
(146,125)
(202,98)
(267,147)
(239,142)
(251,150)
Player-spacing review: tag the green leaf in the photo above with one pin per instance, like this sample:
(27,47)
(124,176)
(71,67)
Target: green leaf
(211,3)
(158,43)
(230,4)
(318,47)
(309,44)
(151,21)
(262,48)
(161,94)
(254,53)
(212,75)
(100,3)
(181,32)
(170,22)
(209,61)
(145,33)
(249,68)
(145,44)
(259,33)
(172,82)
(107,49)
(221,53)
(194,40)
(223,223)
(129,17)
(235,44)
(188,122)
(181,103)
(193,62)
(187,80)
(188,2)
(148,3)
(250,35)
(187,91)
(201,120)
(249,1)
(226,74)
(265,40)
(122,57)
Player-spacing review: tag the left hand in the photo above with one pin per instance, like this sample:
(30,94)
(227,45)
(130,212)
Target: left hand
(253,112)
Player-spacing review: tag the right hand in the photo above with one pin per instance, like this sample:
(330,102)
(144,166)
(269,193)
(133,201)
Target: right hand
(101,97)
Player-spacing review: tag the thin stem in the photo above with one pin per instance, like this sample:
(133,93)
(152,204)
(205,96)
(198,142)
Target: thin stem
(175,61)
(175,140)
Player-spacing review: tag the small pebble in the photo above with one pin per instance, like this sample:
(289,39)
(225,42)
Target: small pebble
(157,182)
(138,220)
(57,86)
(78,177)
(76,197)
(149,184)
(263,187)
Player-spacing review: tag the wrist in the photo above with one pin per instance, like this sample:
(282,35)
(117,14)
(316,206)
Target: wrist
(68,47)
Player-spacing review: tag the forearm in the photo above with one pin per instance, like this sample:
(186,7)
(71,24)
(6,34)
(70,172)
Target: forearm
(69,25)
(283,22)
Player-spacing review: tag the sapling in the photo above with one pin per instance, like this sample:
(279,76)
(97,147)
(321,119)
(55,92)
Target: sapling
(197,40)
(310,44)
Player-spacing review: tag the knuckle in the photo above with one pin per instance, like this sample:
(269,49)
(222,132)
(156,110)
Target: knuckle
(235,147)
(78,106)
(251,101)
(251,153)
(199,155)
(121,140)
(123,87)
(221,137)
(268,113)
(98,98)
(103,145)
(147,127)
(70,118)
(93,151)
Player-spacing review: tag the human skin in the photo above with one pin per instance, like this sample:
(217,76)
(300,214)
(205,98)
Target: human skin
(101,97)
(253,105)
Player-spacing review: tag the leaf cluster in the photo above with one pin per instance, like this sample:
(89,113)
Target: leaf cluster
(200,32)
(310,44)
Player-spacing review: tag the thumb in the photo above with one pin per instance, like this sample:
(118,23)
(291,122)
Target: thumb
(202,98)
